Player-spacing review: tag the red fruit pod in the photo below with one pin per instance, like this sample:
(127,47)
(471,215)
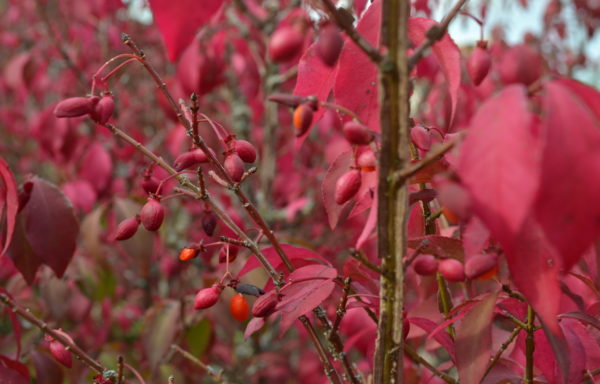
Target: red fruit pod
(367,161)
(188,254)
(152,214)
(329,45)
(104,109)
(266,304)
(480,264)
(207,297)
(285,44)
(75,106)
(479,63)
(520,64)
(233,252)
(127,228)
(150,184)
(239,308)
(234,166)
(303,117)
(425,265)
(190,159)
(347,186)
(209,223)
(61,354)
(421,137)
(245,151)
(452,270)
(357,134)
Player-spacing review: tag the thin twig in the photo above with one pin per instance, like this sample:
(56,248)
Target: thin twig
(216,375)
(529,346)
(410,351)
(515,332)
(356,254)
(120,370)
(434,34)
(341,309)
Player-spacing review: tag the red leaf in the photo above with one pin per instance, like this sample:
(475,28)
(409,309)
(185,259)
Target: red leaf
(51,225)
(583,317)
(567,207)
(441,337)
(369,225)
(339,166)
(312,271)
(356,83)
(179,20)
(499,163)
(586,94)
(254,325)
(96,167)
(17,366)
(446,53)
(271,254)
(23,256)
(474,341)
(9,201)
(10,376)
(303,297)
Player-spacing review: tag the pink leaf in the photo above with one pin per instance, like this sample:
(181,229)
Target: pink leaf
(51,225)
(11,376)
(585,93)
(254,325)
(499,163)
(339,166)
(567,207)
(9,201)
(356,84)
(313,271)
(475,237)
(369,226)
(179,20)
(441,337)
(446,52)
(474,340)
(292,252)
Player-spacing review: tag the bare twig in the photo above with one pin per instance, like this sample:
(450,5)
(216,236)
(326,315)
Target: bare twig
(515,332)
(356,254)
(410,351)
(120,370)
(529,346)
(217,375)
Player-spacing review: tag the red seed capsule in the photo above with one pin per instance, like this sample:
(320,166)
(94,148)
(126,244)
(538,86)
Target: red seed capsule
(152,214)
(347,186)
(425,265)
(479,63)
(61,354)
(127,228)
(234,166)
(233,252)
(239,308)
(190,159)
(209,223)
(207,297)
(303,116)
(520,64)
(150,184)
(367,161)
(245,151)
(104,109)
(188,254)
(421,137)
(285,43)
(356,133)
(329,44)
(75,106)
(480,264)
(452,270)
(265,305)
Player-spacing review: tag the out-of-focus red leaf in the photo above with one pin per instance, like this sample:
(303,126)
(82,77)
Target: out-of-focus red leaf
(438,245)
(534,268)
(160,328)
(51,225)
(474,340)
(577,355)
(551,354)
(583,317)
(47,370)
(567,205)
(9,202)
(179,20)
(339,166)
(23,256)
(16,325)
(16,366)
(96,167)
(499,163)
(356,84)
(586,94)
(441,337)
(254,325)
(271,254)
(11,376)
(369,226)
(475,237)
(446,52)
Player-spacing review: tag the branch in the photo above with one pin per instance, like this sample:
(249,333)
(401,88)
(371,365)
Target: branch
(529,346)
(434,34)
(501,350)
(216,375)
(344,21)
(409,350)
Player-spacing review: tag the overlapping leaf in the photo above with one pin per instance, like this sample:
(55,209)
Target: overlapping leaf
(9,204)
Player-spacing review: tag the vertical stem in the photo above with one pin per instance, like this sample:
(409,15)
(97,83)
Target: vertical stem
(392,192)
(529,346)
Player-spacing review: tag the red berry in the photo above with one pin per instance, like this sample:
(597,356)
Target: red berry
(188,254)
(150,184)
(480,264)
(104,109)
(347,186)
(245,151)
(329,44)
(190,159)
(285,44)
(127,228)
(367,161)
(520,64)
(357,134)
(233,252)
(425,265)
(303,116)
(207,297)
(152,214)
(75,106)
(265,305)
(239,308)
(452,270)
(479,63)
(234,166)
